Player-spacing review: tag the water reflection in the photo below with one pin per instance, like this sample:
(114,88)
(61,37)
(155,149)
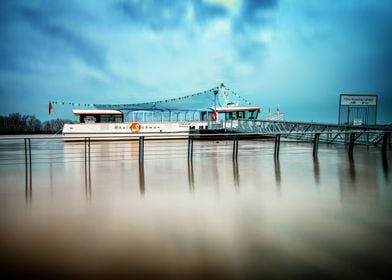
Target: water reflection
(288,230)
(236,175)
(191,177)
(87,178)
(359,182)
(142,186)
(51,172)
(351,165)
(28,188)
(316,170)
(87,186)
(385,167)
(277,172)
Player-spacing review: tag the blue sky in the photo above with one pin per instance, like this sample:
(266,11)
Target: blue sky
(300,54)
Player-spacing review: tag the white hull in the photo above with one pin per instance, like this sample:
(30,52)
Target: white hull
(127,131)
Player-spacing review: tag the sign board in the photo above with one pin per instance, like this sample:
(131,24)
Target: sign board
(358,100)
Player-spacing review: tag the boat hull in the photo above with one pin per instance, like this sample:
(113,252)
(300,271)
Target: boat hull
(129,131)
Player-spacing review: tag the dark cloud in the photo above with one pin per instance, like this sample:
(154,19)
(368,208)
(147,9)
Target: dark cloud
(205,12)
(33,32)
(167,14)
(252,10)
(164,14)
(67,39)
(253,14)
(154,14)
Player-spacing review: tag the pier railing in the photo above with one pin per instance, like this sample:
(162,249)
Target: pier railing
(29,151)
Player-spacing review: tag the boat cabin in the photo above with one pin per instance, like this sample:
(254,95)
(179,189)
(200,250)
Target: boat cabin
(115,116)
(99,116)
(238,113)
(234,113)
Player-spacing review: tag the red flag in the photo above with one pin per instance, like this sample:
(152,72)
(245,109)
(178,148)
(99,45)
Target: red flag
(50,107)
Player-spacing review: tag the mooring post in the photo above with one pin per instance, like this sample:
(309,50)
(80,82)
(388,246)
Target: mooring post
(235,148)
(141,150)
(26,166)
(25,145)
(190,148)
(89,157)
(385,140)
(316,144)
(30,160)
(89,165)
(85,155)
(351,145)
(277,145)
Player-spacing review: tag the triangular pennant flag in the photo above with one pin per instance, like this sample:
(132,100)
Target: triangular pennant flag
(50,107)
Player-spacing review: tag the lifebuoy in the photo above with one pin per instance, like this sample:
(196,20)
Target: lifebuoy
(135,127)
(214,116)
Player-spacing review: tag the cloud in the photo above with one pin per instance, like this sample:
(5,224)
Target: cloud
(156,15)
(65,39)
(130,50)
(164,14)
(253,11)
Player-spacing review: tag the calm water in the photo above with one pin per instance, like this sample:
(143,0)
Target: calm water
(293,217)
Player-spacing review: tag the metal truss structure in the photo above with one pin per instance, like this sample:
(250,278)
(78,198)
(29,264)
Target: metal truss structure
(329,133)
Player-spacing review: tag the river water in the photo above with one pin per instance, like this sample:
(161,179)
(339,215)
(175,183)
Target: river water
(292,217)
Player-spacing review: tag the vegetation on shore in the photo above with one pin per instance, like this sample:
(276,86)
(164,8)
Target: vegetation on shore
(16,123)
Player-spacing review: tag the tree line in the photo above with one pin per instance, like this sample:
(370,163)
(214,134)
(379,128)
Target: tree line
(16,123)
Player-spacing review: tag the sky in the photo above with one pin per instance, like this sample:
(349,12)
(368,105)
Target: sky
(299,55)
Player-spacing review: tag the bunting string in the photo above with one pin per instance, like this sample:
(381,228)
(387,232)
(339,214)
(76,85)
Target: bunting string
(72,103)
(222,89)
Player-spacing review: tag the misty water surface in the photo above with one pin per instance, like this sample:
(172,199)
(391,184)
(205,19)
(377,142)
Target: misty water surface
(292,217)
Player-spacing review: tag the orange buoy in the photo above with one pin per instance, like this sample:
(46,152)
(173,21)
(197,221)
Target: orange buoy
(135,127)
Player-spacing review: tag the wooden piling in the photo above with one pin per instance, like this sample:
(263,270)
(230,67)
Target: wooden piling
(316,144)
(277,145)
(235,148)
(190,148)
(351,145)
(141,150)
(385,140)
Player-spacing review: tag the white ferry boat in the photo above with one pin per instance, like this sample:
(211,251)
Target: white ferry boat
(217,109)
(110,125)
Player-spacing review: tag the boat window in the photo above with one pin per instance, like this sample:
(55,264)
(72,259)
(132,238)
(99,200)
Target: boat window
(251,115)
(111,118)
(230,116)
(101,118)
(88,119)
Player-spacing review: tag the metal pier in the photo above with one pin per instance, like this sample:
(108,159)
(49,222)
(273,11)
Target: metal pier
(327,133)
